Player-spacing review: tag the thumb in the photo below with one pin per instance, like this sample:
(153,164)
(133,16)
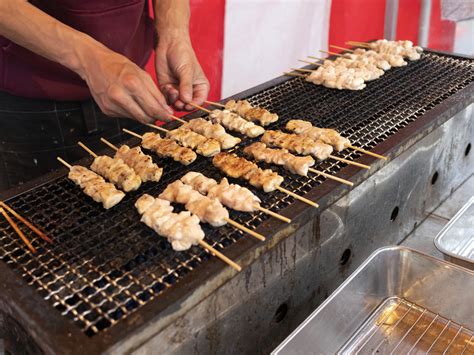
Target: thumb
(185,75)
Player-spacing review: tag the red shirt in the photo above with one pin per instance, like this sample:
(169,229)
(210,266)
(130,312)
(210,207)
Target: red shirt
(124,26)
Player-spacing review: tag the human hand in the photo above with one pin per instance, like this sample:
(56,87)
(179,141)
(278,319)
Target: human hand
(122,89)
(180,76)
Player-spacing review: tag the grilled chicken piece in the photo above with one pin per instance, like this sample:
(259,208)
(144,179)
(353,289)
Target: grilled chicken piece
(140,162)
(297,165)
(181,229)
(297,144)
(168,148)
(212,130)
(117,172)
(238,167)
(256,114)
(402,48)
(234,122)
(207,147)
(327,135)
(232,196)
(206,209)
(95,186)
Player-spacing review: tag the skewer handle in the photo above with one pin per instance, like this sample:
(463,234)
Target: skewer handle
(214,104)
(309,62)
(367,152)
(132,133)
(110,145)
(298,197)
(157,127)
(17,230)
(332,177)
(294,74)
(350,162)
(245,229)
(83,146)
(200,107)
(317,58)
(342,48)
(65,163)
(332,53)
(38,232)
(303,70)
(273,214)
(221,256)
(177,119)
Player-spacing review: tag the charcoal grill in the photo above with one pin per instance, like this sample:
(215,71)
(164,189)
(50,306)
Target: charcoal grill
(108,284)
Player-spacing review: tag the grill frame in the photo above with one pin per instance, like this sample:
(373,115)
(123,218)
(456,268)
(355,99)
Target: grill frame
(67,336)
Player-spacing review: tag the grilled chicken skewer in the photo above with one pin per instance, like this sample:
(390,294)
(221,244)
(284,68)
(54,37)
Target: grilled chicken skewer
(304,146)
(402,48)
(115,170)
(94,185)
(164,147)
(233,122)
(210,130)
(181,229)
(267,180)
(206,209)
(204,146)
(295,164)
(232,196)
(251,113)
(327,135)
(138,161)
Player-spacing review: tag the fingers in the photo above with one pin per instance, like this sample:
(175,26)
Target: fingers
(120,103)
(171,93)
(200,93)
(185,76)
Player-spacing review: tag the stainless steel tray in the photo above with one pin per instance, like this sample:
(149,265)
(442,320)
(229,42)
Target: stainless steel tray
(397,301)
(456,239)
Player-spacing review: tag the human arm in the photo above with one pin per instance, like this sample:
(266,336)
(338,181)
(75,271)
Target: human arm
(179,73)
(119,86)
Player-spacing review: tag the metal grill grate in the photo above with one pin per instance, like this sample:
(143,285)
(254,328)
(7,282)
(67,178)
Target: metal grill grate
(106,264)
(401,327)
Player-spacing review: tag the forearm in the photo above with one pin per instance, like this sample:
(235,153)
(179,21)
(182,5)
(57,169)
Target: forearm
(172,17)
(35,30)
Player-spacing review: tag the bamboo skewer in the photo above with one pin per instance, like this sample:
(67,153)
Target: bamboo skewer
(358,44)
(367,152)
(332,53)
(332,177)
(200,108)
(65,163)
(309,62)
(110,145)
(132,133)
(245,229)
(303,70)
(219,255)
(297,197)
(317,58)
(215,104)
(83,146)
(350,162)
(177,119)
(38,232)
(294,74)
(273,214)
(342,48)
(17,230)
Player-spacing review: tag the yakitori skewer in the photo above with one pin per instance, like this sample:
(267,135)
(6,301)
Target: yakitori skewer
(304,146)
(232,196)
(138,161)
(327,135)
(342,48)
(36,230)
(17,230)
(115,170)
(181,229)
(295,164)
(246,110)
(94,185)
(233,121)
(165,147)
(267,180)
(206,209)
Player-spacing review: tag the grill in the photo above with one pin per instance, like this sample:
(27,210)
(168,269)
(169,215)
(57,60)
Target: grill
(106,265)
(399,326)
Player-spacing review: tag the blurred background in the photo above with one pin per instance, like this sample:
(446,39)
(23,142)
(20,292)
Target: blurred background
(243,43)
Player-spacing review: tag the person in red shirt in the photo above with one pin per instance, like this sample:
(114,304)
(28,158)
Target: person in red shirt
(72,70)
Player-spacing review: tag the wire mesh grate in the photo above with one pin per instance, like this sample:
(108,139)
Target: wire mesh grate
(399,326)
(106,264)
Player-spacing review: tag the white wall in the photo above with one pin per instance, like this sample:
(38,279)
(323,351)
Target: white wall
(264,38)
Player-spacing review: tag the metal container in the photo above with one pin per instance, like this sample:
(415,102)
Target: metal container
(397,301)
(456,239)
